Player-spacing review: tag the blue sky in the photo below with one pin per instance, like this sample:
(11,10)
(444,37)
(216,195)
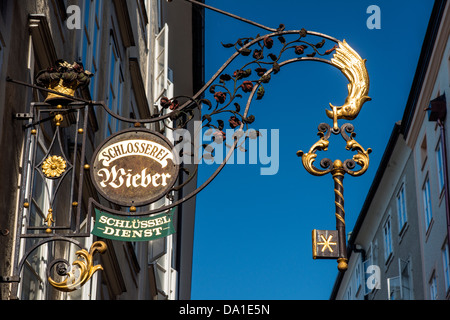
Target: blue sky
(253,232)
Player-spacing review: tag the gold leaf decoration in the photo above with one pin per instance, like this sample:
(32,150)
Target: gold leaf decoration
(54,166)
(84,269)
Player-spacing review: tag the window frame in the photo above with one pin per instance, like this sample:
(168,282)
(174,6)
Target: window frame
(387,239)
(427,205)
(91,34)
(446,266)
(402,215)
(432,286)
(161,64)
(115,86)
(440,167)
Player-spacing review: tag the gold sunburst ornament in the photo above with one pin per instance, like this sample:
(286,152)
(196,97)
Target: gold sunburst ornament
(54,166)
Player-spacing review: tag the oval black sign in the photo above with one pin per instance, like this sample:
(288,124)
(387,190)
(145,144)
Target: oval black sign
(134,167)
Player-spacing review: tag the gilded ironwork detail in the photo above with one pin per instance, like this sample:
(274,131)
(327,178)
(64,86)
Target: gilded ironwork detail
(338,169)
(361,158)
(354,69)
(325,244)
(49,220)
(54,166)
(84,269)
(63,78)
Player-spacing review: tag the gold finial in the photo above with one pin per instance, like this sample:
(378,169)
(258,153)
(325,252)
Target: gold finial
(342,264)
(58,119)
(49,220)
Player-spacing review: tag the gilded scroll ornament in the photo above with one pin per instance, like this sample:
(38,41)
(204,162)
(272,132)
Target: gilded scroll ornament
(361,158)
(84,269)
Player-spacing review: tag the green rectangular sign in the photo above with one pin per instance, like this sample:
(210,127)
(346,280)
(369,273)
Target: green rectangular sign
(132,229)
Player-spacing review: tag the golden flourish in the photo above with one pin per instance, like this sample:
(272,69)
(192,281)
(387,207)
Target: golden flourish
(361,158)
(84,269)
(54,166)
(309,158)
(354,69)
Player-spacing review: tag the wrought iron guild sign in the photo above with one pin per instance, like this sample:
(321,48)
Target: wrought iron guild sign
(134,167)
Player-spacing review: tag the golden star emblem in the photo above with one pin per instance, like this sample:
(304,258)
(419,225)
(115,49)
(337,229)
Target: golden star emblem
(326,243)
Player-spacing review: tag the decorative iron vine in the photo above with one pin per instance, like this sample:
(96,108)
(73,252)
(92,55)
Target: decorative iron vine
(228,90)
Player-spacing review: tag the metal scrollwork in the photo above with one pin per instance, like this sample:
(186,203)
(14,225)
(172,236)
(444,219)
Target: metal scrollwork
(337,169)
(346,131)
(83,269)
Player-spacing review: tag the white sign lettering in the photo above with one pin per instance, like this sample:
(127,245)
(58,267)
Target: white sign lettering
(127,148)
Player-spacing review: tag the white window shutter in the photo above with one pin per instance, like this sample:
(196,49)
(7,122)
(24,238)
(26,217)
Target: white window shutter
(161,63)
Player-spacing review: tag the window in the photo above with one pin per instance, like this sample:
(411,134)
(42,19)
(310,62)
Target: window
(401,207)
(423,151)
(161,63)
(143,18)
(427,203)
(446,262)
(91,34)
(115,87)
(387,239)
(1,54)
(349,293)
(405,279)
(35,267)
(440,167)
(371,270)
(433,287)
(394,288)
(358,276)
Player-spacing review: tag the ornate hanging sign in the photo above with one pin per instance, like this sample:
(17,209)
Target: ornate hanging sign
(133,228)
(325,244)
(134,167)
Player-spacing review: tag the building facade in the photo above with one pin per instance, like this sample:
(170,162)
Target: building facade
(399,246)
(139,51)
